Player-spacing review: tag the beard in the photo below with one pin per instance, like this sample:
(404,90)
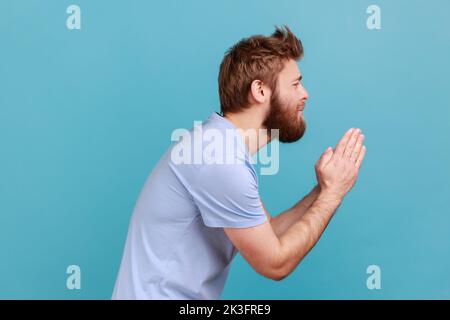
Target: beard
(285,118)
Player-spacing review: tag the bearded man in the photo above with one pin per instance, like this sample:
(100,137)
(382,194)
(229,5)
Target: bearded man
(192,217)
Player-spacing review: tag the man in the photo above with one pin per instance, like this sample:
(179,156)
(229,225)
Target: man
(192,217)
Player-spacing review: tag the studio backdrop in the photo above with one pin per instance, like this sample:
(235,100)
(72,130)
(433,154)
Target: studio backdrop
(91,91)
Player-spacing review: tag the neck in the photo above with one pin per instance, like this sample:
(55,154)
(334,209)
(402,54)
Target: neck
(250,122)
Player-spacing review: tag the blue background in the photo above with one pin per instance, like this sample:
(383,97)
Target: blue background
(86,114)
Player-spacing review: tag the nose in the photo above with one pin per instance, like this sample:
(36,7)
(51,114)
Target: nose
(305,94)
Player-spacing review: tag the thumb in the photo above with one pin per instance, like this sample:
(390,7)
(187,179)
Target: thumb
(326,156)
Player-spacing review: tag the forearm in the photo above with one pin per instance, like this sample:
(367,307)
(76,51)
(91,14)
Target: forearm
(302,235)
(287,218)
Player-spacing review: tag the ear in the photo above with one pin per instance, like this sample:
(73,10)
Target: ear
(259,92)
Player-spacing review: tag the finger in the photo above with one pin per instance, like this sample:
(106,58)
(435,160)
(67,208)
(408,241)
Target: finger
(326,156)
(360,157)
(351,143)
(340,147)
(357,150)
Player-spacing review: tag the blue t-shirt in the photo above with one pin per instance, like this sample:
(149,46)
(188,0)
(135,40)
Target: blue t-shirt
(176,247)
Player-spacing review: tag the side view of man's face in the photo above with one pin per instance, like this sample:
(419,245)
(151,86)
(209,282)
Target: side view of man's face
(287,104)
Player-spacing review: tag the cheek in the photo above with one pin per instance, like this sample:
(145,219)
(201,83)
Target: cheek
(294,98)
(289,99)
(296,93)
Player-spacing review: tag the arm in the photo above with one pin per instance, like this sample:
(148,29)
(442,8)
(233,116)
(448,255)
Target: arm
(276,256)
(300,237)
(284,220)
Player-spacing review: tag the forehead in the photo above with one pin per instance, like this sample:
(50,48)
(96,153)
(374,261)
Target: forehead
(290,71)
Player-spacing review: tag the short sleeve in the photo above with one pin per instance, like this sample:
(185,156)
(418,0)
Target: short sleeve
(228,196)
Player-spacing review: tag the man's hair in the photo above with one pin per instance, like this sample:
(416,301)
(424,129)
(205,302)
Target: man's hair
(255,58)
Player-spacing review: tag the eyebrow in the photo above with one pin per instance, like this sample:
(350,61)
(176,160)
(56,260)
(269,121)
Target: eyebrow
(298,78)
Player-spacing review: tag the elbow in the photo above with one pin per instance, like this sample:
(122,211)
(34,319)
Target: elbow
(272,272)
(277,272)
(282,268)
(276,275)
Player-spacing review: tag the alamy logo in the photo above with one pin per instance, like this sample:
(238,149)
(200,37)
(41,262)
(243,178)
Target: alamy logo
(374,280)
(74,279)
(374,20)
(74,20)
(213,146)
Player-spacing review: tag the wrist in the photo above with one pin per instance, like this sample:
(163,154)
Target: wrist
(328,195)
